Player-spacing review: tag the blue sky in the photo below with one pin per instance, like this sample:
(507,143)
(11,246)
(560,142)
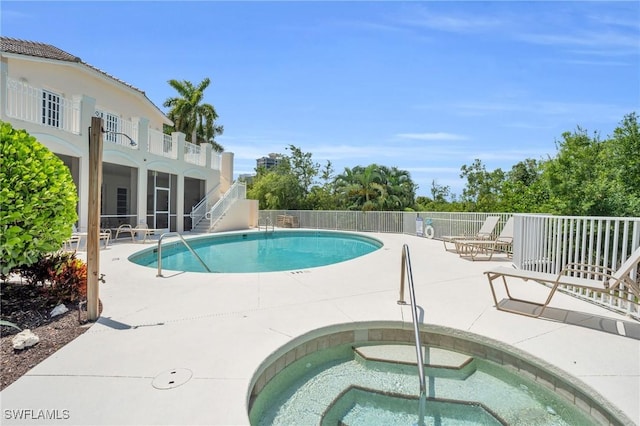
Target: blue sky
(424,86)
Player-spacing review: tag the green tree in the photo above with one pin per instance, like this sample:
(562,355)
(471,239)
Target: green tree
(293,183)
(579,178)
(360,188)
(37,200)
(482,190)
(276,189)
(440,193)
(303,168)
(197,120)
(375,187)
(400,192)
(322,196)
(624,159)
(523,190)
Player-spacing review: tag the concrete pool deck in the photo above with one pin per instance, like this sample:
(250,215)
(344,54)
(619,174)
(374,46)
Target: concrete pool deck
(221,327)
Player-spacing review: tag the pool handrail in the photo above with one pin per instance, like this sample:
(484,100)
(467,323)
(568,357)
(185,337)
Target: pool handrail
(176,234)
(266,225)
(405,267)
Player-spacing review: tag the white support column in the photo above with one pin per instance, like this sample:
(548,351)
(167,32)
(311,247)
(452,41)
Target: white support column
(4,71)
(87,110)
(142,138)
(226,171)
(178,142)
(142,194)
(180,204)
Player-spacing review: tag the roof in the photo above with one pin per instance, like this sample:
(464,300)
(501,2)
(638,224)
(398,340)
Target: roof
(48,51)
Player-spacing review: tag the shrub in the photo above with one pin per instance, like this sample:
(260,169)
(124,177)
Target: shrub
(61,276)
(37,199)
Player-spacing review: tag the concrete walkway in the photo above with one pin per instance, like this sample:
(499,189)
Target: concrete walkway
(222,326)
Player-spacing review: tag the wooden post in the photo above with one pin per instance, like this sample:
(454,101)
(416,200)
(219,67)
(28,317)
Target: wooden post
(93,225)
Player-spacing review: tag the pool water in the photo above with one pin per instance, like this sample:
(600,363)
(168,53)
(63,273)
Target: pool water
(318,389)
(260,251)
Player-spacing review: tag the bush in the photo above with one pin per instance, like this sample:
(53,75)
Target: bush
(37,200)
(61,276)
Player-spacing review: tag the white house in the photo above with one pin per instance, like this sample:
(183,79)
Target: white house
(148,177)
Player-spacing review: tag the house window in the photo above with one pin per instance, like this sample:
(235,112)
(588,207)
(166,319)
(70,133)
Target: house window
(121,202)
(111,126)
(50,109)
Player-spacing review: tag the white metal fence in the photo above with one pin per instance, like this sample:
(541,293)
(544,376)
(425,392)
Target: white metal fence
(541,243)
(547,243)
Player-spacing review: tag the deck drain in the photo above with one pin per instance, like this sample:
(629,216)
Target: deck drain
(172,378)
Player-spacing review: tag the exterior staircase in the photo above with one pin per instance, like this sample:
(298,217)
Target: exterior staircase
(202,227)
(209,217)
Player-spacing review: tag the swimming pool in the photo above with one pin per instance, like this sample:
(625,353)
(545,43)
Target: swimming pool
(327,377)
(260,251)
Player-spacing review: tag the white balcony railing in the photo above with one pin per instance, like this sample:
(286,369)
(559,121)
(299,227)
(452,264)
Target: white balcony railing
(47,108)
(162,144)
(194,154)
(130,129)
(34,105)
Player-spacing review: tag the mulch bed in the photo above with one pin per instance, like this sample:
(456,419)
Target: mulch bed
(28,308)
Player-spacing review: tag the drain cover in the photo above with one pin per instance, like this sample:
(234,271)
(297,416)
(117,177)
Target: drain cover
(172,378)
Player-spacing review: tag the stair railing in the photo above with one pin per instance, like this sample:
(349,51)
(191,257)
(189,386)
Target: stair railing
(199,211)
(405,269)
(237,191)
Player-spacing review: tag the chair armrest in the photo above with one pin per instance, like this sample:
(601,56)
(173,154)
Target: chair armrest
(587,269)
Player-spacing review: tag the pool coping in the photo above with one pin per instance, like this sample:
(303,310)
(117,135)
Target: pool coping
(569,388)
(222,327)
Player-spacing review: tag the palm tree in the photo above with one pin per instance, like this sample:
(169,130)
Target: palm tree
(400,187)
(192,117)
(361,187)
(375,187)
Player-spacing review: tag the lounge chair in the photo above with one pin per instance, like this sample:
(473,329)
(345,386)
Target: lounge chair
(485,232)
(487,247)
(141,229)
(72,243)
(76,238)
(577,275)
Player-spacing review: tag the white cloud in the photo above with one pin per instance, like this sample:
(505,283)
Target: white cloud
(437,136)
(439,170)
(456,23)
(590,39)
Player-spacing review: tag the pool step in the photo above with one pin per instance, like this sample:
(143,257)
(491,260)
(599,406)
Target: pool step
(438,362)
(358,406)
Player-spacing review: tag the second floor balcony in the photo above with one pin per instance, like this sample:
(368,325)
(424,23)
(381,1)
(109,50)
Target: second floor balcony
(39,106)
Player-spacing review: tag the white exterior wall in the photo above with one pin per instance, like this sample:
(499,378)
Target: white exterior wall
(95,91)
(242,214)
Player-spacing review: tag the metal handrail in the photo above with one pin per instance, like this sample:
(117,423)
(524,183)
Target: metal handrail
(195,215)
(176,234)
(266,225)
(406,268)
(237,191)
